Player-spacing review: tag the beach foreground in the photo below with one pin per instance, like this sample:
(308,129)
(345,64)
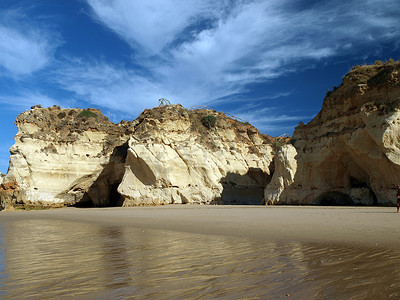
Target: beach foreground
(369,226)
(201,252)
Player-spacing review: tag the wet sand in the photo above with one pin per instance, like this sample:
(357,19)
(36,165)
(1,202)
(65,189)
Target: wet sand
(367,226)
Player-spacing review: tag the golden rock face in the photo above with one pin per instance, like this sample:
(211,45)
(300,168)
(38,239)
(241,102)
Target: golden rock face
(349,153)
(78,157)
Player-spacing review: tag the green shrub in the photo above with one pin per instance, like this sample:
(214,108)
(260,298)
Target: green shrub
(87,114)
(209,121)
(276,146)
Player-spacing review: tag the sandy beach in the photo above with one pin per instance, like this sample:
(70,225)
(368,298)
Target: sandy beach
(201,252)
(369,226)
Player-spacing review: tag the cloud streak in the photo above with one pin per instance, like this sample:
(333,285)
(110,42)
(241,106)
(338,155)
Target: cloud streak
(25,47)
(151,25)
(242,43)
(198,52)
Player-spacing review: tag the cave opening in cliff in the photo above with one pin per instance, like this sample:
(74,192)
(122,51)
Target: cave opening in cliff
(364,190)
(114,198)
(335,199)
(246,189)
(103,195)
(103,192)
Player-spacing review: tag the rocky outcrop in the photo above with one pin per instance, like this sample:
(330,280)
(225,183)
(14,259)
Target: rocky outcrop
(283,178)
(60,156)
(174,158)
(168,155)
(350,152)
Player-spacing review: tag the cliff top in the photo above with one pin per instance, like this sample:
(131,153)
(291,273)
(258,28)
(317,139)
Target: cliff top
(368,87)
(366,77)
(69,120)
(204,124)
(57,124)
(372,74)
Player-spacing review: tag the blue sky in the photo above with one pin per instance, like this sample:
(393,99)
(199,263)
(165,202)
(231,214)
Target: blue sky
(269,62)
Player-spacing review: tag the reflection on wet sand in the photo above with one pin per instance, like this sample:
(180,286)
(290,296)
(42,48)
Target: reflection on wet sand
(53,258)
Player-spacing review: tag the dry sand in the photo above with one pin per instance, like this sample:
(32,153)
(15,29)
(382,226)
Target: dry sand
(370,226)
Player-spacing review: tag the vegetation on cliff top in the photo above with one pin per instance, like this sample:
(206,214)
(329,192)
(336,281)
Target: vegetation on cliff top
(87,114)
(362,78)
(209,121)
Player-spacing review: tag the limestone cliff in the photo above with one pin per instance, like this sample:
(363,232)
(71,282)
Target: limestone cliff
(174,158)
(59,153)
(168,155)
(350,152)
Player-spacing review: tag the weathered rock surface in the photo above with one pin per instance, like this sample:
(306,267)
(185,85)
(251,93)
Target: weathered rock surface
(350,152)
(285,169)
(174,158)
(58,154)
(78,157)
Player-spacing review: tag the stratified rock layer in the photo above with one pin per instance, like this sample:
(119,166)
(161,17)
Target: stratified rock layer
(78,157)
(350,152)
(174,158)
(59,155)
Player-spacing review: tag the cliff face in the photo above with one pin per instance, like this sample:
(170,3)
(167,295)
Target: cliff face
(78,157)
(174,158)
(58,154)
(350,152)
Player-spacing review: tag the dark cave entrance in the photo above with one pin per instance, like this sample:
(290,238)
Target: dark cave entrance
(349,181)
(359,183)
(335,199)
(101,195)
(247,189)
(103,192)
(114,198)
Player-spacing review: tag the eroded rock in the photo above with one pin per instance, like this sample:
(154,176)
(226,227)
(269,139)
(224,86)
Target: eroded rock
(174,158)
(57,150)
(168,155)
(350,152)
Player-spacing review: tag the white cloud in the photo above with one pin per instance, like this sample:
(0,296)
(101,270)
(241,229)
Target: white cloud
(246,41)
(190,62)
(21,54)
(110,86)
(150,24)
(25,47)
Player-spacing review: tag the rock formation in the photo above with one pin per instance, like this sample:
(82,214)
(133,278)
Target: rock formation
(173,158)
(59,153)
(168,155)
(350,152)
